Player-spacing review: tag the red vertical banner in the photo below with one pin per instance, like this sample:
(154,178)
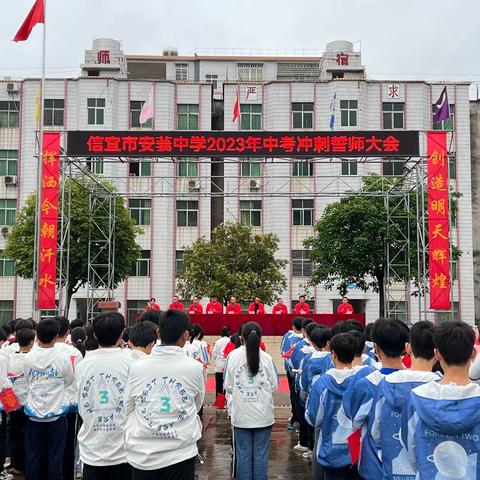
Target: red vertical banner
(47,274)
(438,221)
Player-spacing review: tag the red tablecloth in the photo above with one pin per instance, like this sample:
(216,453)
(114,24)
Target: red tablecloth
(271,324)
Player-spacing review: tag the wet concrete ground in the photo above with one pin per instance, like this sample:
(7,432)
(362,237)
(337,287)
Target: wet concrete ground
(215,446)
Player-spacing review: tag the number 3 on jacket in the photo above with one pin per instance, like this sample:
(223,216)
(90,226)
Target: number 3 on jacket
(165,404)
(103,397)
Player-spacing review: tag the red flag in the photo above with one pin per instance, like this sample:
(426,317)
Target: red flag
(354,445)
(236,107)
(36,15)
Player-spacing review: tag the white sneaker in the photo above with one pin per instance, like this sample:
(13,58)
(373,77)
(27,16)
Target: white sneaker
(308,455)
(300,448)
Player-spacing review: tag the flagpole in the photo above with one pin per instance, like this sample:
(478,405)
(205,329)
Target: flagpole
(39,172)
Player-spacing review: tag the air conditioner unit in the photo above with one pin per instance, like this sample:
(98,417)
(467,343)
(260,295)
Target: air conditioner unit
(10,180)
(254,185)
(5,231)
(12,87)
(193,185)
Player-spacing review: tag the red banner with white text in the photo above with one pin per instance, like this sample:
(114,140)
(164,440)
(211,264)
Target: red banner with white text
(438,221)
(47,274)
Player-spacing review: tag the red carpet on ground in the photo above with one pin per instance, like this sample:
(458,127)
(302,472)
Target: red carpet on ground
(282,388)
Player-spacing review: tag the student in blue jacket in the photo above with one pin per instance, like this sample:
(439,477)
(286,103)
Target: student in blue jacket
(441,423)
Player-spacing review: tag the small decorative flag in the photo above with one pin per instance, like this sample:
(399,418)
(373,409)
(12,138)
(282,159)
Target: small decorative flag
(36,15)
(37,106)
(148,108)
(332,111)
(442,111)
(9,400)
(354,445)
(236,106)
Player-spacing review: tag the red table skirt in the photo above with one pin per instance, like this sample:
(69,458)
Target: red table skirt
(272,325)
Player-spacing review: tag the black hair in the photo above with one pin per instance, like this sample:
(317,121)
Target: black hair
(421,340)
(320,337)
(24,336)
(126,334)
(64,326)
(76,323)
(47,330)
(91,343)
(368,332)
(150,316)
(78,337)
(225,332)
(359,340)
(173,324)
(455,342)
(306,321)
(251,334)
(12,323)
(354,325)
(344,345)
(235,339)
(297,323)
(301,296)
(196,331)
(390,335)
(24,323)
(7,329)
(3,335)
(143,334)
(108,328)
(153,298)
(310,327)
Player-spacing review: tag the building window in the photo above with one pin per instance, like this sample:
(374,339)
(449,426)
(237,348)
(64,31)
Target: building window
(302,266)
(452,167)
(139,169)
(135,109)
(448,316)
(187,213)
(348,113)
(444,124)
(8,162)
(398,310)
(7,266)
(142,266)
(302,212)
(187,167)
(9,114)
(454,270)
(53,112)
(213,79)
(393,115)
(181,71)
(96,111)
(250,72)
(8,208)
(251,167)
(349,166)
(140,210)
(394,168)
(302,168)
(251,117)
(187,116)
(134,309)
(95,165)
(179,267)
(251,212)
(302,115)
(6,311)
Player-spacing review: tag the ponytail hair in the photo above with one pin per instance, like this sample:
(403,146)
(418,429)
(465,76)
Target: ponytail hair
(251,334)
(195,331)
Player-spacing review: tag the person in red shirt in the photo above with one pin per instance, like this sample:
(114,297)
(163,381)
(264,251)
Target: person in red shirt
(195,307)
(302,307)
(176,303)
(280,307)
(345,308)
(256,307)
(214,306)
(233,307)
(152,305)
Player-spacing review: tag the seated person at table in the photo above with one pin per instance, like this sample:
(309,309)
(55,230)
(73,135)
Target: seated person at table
(214,306)
(233,307)
(302,307)
(345,308)
(280,307)
(256,307)
(195,307)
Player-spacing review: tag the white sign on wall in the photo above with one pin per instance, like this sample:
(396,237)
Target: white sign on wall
(251,92)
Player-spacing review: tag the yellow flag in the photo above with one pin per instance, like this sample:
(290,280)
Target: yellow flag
(37,107)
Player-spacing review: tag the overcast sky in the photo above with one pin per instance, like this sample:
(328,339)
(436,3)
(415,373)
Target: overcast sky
(422,39)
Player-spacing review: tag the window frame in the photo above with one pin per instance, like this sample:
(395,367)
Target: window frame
(302,212)
(97,110)
(135,109)
(250,212)
(142,265)
(248,164)
(446,125)
(250,116)
(250,72)
(302,115)
(349,167)
(181,72)
(392,163)
(303,168)
(212,79)
(5,307)
(53,110)
(8,211)
(133,310)
(8,159)
(190,116)
(7,266)
(179,265)
(350,111)
(393,114)
(187,167)
(9,114)
(187,213)
(140,212)
(301,264)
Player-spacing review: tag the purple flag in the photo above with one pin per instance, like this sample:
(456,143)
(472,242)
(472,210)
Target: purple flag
(442,111)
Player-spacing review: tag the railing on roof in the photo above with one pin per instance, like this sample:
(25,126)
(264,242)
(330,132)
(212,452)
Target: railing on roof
(257,52)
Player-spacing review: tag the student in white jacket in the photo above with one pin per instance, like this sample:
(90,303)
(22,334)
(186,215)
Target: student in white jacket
(101,379)
(49,373)
(141,339)
(250,380)
(220,360)
(165,392)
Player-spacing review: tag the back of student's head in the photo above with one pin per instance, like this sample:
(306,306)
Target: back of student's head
(108,328)
(76,323)
(143,334)
(78,337)
(24,323)
(306,322)
(235,339)
(225,332)
(455,342)
(297,323)
(173,324)
(195,332)
(24,336)
(354,326)
(360,340)
(251,334)
(150,316)
(368,332)
(91,342)
(321,336)
(310,328)
(3,335)
(390,335)
(7,329)
(421,340)
(64,326)
(47,330)
(344,346)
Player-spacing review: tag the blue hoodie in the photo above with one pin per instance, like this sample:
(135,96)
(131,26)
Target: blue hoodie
(322,412)
(290,344)
(393,393)
(441,431)
(311,365)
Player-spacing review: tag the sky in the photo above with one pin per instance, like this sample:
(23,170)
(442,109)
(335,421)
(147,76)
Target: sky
(402,39)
